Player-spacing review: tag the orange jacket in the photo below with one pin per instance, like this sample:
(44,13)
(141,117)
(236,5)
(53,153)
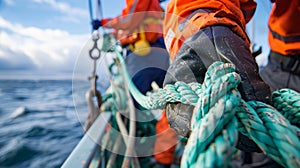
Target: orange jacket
(133,15)
(284,27)
(166,141)
(232,13)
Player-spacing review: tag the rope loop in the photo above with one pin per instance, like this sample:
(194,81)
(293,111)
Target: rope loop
(220,113)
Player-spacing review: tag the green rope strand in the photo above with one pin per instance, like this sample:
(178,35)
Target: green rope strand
(253,127)
(212,138)
(288,103)
(281,133)
(220,112)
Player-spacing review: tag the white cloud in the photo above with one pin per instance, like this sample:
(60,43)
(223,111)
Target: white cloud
(71,13)
(14,60)
(44,49)
(9,2)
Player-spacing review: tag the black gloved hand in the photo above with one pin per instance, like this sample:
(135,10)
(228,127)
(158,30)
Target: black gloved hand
(215,43)
(179,116)
(96,24)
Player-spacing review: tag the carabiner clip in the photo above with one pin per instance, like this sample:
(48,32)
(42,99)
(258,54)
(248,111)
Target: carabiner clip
(95,52)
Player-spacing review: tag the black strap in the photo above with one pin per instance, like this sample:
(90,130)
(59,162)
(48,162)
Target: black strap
(286,39)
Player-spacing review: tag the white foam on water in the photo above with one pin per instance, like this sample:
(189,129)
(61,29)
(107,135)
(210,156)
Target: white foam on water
(18,112)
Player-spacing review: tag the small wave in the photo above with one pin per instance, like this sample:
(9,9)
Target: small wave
(21,153)
(38,131)
(19,112)
(20,98)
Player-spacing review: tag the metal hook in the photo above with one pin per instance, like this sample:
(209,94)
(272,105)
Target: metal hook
(95,52)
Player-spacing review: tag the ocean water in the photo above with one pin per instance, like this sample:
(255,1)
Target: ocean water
(39,124)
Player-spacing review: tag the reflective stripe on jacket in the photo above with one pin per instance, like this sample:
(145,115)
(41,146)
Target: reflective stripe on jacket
(186,17)
(133,16)
(284,27)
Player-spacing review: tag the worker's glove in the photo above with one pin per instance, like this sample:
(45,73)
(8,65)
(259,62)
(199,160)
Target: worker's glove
(99,23)
(96,24)
(179,116)
(207,46)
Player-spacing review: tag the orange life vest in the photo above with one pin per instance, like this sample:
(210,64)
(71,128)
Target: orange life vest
(284,27)
(184,19)
(146,13)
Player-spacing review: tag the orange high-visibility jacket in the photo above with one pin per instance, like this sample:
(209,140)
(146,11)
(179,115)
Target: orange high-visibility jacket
(284,27)
(166,141)
(231,13)
(133,16)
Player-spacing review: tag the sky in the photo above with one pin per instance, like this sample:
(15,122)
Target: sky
(46,37)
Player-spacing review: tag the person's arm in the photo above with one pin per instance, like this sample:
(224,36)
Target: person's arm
(248,8)
(131,16)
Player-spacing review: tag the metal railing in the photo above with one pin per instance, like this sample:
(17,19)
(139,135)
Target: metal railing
(88,149)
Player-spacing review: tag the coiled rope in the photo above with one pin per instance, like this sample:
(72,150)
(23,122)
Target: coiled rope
(288,103)
(220,113)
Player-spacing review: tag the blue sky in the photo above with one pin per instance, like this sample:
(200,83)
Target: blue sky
(47,36)
(40,37)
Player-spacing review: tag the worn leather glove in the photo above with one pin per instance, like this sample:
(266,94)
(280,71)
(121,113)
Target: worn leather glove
(212,44)
(179,116)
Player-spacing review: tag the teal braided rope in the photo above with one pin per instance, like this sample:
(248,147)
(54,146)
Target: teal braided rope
(288,103)
(213,124)
(179,92)
(280,134)
(267,128)
(253,126)
(214,130)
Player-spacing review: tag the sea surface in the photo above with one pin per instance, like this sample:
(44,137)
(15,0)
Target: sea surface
(39,124)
